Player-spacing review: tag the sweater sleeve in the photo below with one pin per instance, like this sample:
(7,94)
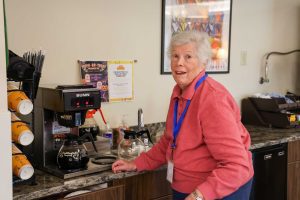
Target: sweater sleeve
(228,143)
(155,157)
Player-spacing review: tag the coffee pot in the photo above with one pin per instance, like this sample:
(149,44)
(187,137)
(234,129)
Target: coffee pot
(73,154)
(130,147)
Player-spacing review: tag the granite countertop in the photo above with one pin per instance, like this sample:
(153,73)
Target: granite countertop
(50,185)
(47,184)
(264,136)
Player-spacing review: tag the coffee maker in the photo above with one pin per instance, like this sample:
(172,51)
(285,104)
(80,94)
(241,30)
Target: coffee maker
(58,112)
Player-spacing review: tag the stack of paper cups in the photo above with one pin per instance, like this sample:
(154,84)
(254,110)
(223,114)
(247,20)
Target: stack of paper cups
(21,133)
(20,164)
(18,100)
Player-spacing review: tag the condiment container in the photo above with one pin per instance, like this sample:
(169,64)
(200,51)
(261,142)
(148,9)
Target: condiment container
(118,133)
(108,133)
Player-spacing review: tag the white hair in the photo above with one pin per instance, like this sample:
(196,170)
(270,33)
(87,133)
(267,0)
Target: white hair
(200,39)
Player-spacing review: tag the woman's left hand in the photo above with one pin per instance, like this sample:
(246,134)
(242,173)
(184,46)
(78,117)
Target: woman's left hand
(123,165)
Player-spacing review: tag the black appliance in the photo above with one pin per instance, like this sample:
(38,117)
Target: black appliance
(270,173)
(275,112)
(59,111)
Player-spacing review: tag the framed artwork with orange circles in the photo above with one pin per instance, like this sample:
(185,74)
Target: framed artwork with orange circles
(211,16)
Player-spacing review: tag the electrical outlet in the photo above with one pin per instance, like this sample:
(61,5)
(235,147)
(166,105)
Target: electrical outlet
(243,58)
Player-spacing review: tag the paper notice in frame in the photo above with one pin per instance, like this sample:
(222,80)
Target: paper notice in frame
(95,73)
(120,78)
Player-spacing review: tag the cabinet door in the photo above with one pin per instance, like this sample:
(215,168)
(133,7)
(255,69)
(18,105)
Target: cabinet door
(293,185)
(293,174)
(158,184)
(294,151)
(112,193)
(147,186)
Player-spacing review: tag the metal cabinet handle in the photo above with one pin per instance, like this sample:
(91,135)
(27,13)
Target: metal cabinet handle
(268,156)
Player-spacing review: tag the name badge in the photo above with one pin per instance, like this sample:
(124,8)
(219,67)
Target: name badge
(170,171)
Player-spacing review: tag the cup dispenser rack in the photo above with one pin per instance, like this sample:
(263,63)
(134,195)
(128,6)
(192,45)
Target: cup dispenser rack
(26,71)
(26,86)
(273,112)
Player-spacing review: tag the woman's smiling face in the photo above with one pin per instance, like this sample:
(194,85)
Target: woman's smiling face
(185,64)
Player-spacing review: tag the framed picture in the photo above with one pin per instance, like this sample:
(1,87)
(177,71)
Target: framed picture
(211,16)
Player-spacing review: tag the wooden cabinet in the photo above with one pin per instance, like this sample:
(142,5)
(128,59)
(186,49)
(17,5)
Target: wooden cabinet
(148,186)
(112,193)
(97,193)
(145,186)
(293,174)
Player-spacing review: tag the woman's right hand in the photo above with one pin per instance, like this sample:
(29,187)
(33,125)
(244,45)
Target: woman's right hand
(123,165)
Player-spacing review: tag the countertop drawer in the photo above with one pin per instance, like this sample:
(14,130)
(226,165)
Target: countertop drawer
(112,193)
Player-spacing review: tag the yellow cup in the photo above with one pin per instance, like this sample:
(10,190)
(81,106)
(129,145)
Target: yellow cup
(20,164)
(20,131)
(18,101)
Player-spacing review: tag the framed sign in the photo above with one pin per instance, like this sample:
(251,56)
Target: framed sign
(211,16)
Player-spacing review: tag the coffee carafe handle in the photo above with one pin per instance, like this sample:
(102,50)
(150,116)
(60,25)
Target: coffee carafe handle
(89,135)
(140,133)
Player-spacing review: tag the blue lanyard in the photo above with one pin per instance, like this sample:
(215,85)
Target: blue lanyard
(177,125)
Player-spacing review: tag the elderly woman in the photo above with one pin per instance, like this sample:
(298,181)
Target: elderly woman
(205,145)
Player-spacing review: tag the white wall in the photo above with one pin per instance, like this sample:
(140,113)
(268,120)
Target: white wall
(5,142)
(101,30)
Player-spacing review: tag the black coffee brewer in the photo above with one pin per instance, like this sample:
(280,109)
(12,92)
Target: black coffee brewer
(59,111)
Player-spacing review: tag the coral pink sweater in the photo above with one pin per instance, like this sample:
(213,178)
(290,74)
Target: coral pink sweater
(212,148)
